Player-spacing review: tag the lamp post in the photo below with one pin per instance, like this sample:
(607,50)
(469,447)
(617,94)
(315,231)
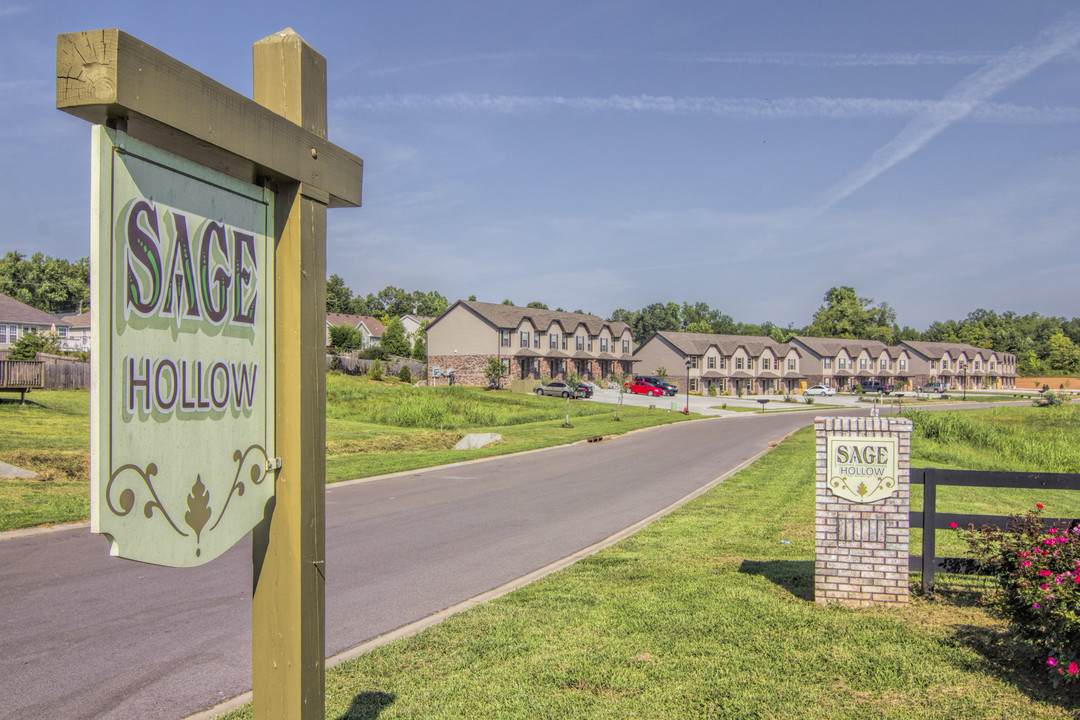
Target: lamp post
(963,369)
(686,410)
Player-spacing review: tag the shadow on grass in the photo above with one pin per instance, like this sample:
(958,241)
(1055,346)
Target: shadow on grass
(795,576)
(367,705)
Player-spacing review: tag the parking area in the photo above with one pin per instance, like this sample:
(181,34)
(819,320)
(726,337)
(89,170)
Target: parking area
(705,405)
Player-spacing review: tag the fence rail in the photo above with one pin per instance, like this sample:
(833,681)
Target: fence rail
(21,376)
(929,519)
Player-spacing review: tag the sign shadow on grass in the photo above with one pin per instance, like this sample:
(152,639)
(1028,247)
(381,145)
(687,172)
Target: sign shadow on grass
(795,576)
(367,705)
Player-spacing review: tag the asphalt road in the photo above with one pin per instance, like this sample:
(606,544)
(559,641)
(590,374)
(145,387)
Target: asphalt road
(83,635)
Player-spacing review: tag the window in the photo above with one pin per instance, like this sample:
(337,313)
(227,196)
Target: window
(724,362)
(536,340)
(625,347)
(862,363)
(603,344)
(564,341)
(903,365)
(693,384)
(945,363)
(978,363)
(828,363)
(933,364)
(883,363)
(841,363)
(766,363)
(712,362)
(749,363)
(506,338)
(590,343)
(553,341)
(738,363)
(695,361)
(580,342)
(524,338)
(791,364)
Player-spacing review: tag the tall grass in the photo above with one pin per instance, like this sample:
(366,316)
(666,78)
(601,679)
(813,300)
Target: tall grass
(442,408)
(1018,439)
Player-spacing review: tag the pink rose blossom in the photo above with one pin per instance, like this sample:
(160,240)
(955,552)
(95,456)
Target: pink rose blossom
(953,525)
(1039,505)
(1073,669)
(1051,662)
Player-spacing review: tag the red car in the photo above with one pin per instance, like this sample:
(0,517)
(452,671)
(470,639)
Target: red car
(639,387)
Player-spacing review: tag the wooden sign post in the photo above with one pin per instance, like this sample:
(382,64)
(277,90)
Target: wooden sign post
(276,141)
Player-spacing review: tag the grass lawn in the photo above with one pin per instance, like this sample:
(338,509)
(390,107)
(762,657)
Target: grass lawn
(49,435)
(707,613)
(372,428)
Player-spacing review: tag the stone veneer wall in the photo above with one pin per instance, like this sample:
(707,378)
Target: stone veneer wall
(468,369)
(862,548)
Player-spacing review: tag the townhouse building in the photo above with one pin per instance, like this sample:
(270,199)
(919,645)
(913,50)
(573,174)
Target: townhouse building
(533,343)
(959,365)
(737,364)
(759,365)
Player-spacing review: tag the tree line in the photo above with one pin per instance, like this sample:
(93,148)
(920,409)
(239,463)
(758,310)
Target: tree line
(52,285)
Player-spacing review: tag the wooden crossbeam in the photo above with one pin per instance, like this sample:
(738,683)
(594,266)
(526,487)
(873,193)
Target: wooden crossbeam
(108,75)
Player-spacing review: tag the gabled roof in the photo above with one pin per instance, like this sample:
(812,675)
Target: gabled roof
(937,350)
(14,312)
(75,321)
(831,347)
(699,343)
(509,317)
(374,327)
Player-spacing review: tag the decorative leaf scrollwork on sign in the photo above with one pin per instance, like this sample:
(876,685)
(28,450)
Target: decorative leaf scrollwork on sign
(199,512)
(128,494)
(256,473)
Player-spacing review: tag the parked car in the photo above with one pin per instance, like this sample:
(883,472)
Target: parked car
(873,386)
(556,389)
(664,385)
(819,390)
(640,387)
(934,387)
(584,390)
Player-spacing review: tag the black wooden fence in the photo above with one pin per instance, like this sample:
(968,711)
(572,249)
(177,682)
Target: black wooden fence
(929,519)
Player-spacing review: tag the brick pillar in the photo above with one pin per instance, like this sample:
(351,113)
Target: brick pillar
(862,543)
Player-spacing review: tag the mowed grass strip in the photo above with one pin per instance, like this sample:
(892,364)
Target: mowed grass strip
(706,613)
(373,428)
(49,435)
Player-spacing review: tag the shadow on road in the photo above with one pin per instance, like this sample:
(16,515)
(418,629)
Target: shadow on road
(795,576)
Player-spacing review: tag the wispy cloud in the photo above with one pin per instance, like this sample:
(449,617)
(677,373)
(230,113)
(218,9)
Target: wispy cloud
(731,108)
(835,60)
(963,101)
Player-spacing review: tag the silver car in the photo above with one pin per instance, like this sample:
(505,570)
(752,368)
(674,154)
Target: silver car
(557,389)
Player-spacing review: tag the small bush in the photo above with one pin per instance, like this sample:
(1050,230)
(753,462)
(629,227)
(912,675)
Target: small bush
(376,372)
(808,399)
(712,390)
(1038,575)
(404,375)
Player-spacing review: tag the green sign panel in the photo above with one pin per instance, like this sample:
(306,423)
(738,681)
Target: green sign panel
(862,469)
(182,416)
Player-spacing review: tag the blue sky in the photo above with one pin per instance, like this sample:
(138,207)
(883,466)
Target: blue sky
(600,155)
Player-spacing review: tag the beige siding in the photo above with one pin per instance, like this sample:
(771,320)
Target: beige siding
(655,354)
(463,332)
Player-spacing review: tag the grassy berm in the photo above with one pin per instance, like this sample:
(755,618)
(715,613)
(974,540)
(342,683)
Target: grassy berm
(372,428)
(709,613)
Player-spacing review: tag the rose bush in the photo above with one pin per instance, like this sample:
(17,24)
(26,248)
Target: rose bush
(1038,593)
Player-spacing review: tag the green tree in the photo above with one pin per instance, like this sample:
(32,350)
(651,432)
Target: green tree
(28,345)
(494,372)
(405,375)
(1063,355)
(393,339)
(419,350)
(429,304)
(846,315)
(538,305)
(338,295)
(52,285)
(344,337)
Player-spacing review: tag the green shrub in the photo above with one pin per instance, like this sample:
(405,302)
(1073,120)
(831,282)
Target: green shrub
(1038,593)
(404,375)
(376,372)
(808,399)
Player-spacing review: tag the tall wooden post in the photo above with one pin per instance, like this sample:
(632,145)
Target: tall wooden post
(288,609)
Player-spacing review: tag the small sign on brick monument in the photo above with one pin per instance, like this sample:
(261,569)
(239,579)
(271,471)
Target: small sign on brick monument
(862,510)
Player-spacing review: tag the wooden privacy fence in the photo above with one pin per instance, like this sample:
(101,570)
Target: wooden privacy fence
(392,366)
(70,376)
(929,519)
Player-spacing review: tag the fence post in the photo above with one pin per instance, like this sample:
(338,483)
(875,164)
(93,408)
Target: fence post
(929,541)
